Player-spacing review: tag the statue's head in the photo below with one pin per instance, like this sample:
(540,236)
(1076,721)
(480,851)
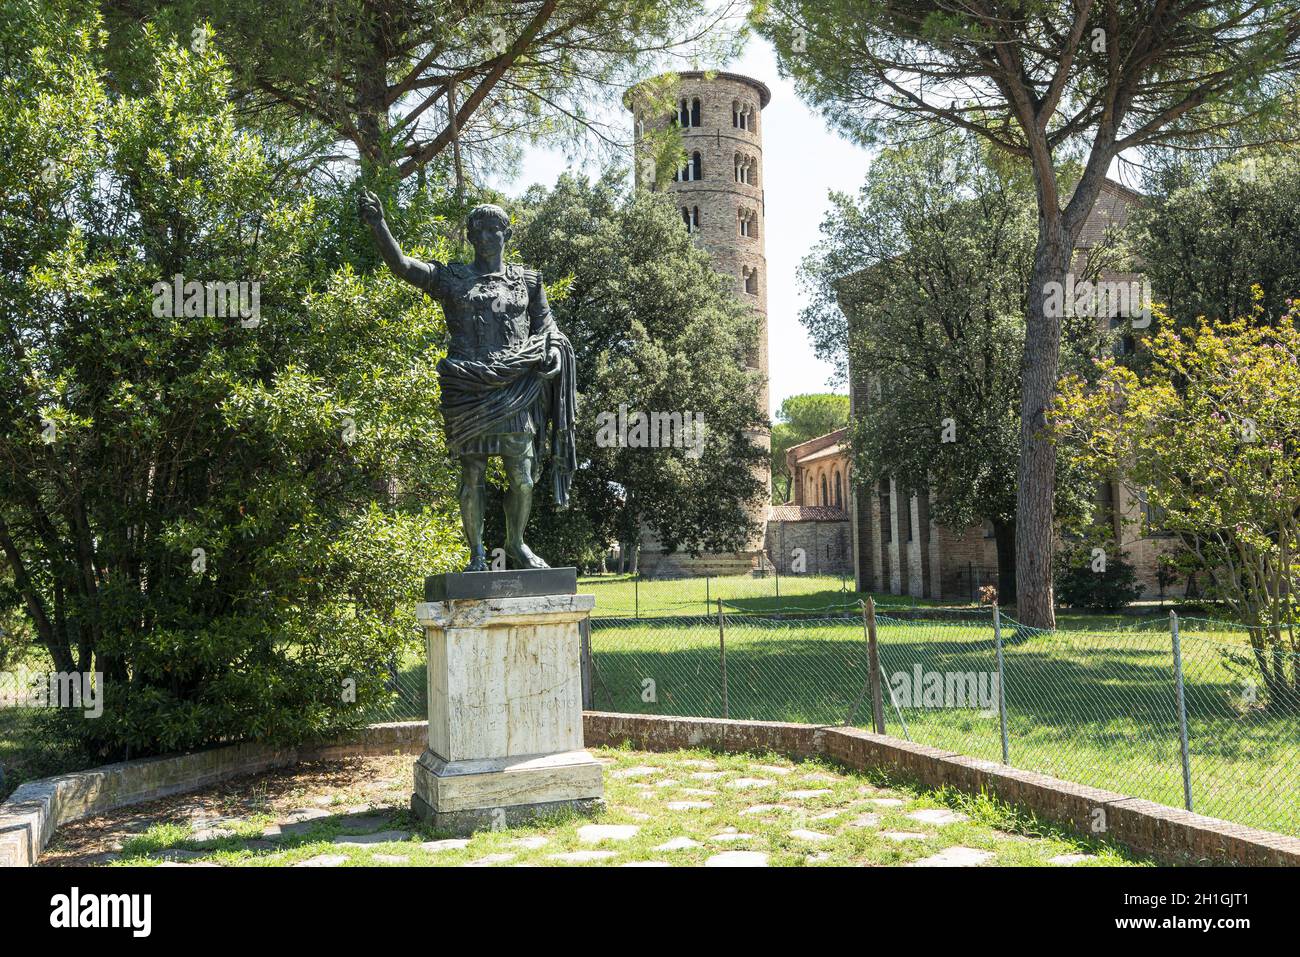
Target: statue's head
(488,229)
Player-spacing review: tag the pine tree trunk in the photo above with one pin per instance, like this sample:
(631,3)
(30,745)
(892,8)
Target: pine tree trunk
(1036,491)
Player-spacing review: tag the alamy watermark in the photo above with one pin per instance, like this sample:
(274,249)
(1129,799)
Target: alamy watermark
(651,430)
(74,910)
(1103,298)
(53,689)
(919,688)
(208,299)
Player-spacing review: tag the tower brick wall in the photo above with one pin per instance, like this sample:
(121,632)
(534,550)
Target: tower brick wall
(718,201)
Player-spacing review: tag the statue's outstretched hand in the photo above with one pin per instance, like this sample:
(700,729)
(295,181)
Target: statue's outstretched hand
(371,210)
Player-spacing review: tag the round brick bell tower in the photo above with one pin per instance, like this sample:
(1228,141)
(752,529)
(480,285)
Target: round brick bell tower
(719,192)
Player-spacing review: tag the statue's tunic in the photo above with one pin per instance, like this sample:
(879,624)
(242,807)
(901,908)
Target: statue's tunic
(494,402)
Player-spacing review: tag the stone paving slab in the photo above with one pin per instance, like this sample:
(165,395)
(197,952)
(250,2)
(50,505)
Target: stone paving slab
(583,857)
(956,857)
(596,833)
(937,816)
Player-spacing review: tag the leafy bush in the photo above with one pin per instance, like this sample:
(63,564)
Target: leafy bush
(1211,432)
(1078,585)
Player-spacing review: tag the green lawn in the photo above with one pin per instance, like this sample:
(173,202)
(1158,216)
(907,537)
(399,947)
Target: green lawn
(624,596)
(1097,707)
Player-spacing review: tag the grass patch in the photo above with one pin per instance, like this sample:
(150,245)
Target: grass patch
(624,596)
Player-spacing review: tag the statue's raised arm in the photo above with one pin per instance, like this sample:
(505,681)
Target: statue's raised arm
(414,271)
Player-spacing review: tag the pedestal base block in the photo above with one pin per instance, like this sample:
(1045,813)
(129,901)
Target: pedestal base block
(464,823)
(465,796)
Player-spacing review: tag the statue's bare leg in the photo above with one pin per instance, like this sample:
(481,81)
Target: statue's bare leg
(519,502)
(473,473)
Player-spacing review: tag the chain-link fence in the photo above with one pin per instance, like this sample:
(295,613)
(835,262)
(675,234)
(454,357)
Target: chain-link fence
(634,596)
(1100,707)
(27,748)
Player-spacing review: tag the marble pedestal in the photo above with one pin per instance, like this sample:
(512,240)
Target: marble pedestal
(505,712)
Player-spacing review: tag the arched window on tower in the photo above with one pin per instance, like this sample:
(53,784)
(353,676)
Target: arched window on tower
(691,217)
(693,170)
(688,112)
(742,116)
(747,222)
(746,169)
(750,275)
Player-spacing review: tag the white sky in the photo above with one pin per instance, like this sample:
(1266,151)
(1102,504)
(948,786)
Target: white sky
(802,161)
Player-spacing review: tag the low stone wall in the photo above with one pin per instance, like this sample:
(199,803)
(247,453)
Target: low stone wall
(1165,833)
(34,811)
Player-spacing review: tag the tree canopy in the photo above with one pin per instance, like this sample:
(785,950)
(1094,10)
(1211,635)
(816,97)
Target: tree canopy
(1210,433)
(403,83)
(919,282)
(1212,236)
(655,329)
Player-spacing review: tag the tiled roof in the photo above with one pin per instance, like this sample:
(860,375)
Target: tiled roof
(821,441)
(827,453)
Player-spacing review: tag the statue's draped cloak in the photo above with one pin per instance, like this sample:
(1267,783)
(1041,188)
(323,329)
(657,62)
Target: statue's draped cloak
(493,398)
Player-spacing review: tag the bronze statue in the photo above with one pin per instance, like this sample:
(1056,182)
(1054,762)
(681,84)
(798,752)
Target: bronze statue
(507,381)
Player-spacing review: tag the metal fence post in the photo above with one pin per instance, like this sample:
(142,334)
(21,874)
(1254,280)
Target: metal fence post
(708,603)
(1182,710)
(584,629)
(636,594)
(722,650)
(873,652)
(778,586)
(1002,694)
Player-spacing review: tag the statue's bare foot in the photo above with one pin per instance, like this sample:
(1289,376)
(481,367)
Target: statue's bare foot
(477,562)
(523,557)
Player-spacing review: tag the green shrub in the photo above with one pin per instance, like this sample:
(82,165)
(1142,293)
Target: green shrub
(1080,585)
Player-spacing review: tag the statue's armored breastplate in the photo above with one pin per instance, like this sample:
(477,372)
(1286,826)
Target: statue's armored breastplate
(485,314)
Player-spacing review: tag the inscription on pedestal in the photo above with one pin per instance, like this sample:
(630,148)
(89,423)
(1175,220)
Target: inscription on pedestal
(519,583)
